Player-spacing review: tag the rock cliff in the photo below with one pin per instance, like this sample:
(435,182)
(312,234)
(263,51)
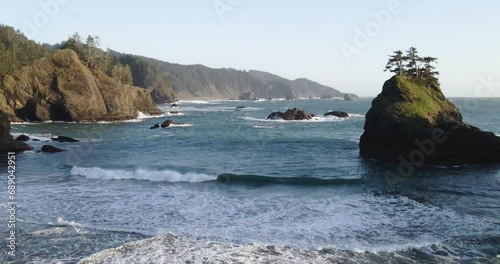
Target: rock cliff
(7,143)
(61,88)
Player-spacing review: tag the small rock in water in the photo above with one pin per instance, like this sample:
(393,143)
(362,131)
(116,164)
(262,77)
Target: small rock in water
(291,114)
(275,115)
(155,126)
(51,149)
(337,114)
(23,138)
(168,123)
(63,139)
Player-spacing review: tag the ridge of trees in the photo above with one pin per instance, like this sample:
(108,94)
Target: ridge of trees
(94,57)
(17,51)
(412,65)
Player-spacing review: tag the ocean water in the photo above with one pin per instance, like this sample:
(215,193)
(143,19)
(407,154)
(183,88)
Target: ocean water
(230,186)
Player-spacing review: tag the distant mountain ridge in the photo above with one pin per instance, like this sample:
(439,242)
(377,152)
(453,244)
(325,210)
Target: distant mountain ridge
(301,87)
(199,81)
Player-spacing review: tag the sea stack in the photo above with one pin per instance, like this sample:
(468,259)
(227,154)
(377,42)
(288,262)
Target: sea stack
(411,121)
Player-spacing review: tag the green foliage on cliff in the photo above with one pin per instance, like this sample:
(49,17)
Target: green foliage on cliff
(17,51)
(412,100)
(145,74)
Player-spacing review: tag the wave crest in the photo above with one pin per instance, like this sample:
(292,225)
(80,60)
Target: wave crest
(140,174)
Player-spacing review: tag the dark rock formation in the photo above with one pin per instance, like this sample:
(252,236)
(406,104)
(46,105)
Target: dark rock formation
(51,149)
(174,112)
(275,115)
(168,123)
(155,126)
(337,114)
(291,114)
(412,122)
(23,138)
(175,106)
(248,96)
(7,143)
(62,88)
(241,107)
(64,139)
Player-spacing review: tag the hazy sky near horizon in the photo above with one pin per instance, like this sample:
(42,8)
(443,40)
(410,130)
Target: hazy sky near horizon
(343,44)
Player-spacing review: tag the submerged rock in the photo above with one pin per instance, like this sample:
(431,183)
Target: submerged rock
(412,122)
(64,139)
(155,126)
(241,107)
(23,138)
(51,149)
(275,115)
(291,114)
(337,114)
(168,123)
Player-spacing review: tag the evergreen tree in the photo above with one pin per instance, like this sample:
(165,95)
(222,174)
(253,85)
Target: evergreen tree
(429,69)
(122,74)
(413,62)
(396,63)
(74,43)
(91,50)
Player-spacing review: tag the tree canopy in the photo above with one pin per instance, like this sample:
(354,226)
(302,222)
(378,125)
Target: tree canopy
(411,64)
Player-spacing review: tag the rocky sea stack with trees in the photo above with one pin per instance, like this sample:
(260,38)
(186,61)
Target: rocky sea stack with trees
(411,121)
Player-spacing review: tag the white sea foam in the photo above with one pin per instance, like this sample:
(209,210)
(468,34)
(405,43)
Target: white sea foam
(141,174)
(37,137)
(180,125)
(215,101)
(317,119)
(172,249)
(61,222)
(120,121)
(58,122)
(141,115)
(209,109)
(174,114)
(24,123)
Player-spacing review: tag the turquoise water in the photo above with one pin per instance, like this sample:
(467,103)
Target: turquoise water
(229,185)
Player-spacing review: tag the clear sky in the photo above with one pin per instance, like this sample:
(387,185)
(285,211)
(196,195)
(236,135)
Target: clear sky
(343,44)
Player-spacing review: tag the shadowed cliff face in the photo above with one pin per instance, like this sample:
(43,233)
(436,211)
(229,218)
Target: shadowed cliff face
(7,143)
(61,88)
(412,121)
